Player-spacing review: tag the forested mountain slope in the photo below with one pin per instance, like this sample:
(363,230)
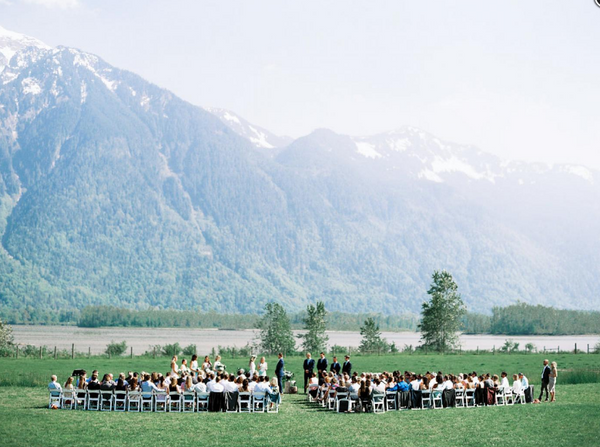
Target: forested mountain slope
(115,191)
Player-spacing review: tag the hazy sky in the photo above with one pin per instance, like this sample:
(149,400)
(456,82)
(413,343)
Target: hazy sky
(520,79)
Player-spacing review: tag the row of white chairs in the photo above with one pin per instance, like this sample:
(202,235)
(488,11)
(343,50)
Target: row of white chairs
(155,401)
(430,399)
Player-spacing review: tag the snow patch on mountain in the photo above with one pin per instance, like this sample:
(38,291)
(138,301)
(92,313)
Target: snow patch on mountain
(11,43)
(579,171)
(367,149)
(31,86)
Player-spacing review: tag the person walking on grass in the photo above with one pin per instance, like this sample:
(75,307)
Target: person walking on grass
(552,382)
(545,380)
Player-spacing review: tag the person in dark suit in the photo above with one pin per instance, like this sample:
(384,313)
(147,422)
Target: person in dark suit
(335,367)
(309,366)
(322,367)
(347,368)
(279,371)
(545,380)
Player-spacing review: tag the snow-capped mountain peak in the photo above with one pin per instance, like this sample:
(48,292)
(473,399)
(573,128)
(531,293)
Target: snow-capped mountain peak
(11,43)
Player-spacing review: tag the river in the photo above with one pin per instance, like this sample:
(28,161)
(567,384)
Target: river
(96,339)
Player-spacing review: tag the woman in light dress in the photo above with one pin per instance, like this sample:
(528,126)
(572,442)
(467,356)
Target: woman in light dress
(251,366)
(552,383)
(174,367)
(206,365)
(262,367)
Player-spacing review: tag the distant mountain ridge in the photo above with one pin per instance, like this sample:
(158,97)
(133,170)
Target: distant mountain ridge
(115,191)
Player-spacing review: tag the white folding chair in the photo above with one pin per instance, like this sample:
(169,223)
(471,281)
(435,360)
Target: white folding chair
(273,406)
(391,401)
(426,400)
(469,398)
(520,397)
(460,398)
(509,397)
(189,401)
(80,399)
(147,401)
(55,398)
(202,401)
(67,400)
(120,401)
(258,402)
(245,402)
(175,401)
(500,397)
(437,398)
(134,401)
(378,402)
(94,399)
(312,387)
(331,400)
(106,400)
(161,400)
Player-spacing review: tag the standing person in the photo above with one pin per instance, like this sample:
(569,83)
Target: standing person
(262,367)
(252,366)
(174,367)
(335,366)
(194,366)
(347,368)
(552,381)
(279,371)
(545,380)
(309,366)
(322,367)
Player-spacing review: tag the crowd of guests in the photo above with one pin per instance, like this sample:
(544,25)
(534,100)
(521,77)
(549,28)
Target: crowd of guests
(208,377)
(325,383)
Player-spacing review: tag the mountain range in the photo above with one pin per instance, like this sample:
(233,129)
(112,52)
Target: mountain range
(115,191)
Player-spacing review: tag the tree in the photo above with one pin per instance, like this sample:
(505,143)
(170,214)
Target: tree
(6,338)
(372,341)
(275,330)
(441,316)
(114,349)
(315,323)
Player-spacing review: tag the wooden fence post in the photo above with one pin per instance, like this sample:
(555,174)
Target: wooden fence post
(154,352)
(40,352)
(132,352)
(588,350)
(89,352)
(17,351)
(72,350)
(575,348)
(558,350)
(55,353)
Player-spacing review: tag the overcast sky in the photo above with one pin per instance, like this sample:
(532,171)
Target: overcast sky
(518,79)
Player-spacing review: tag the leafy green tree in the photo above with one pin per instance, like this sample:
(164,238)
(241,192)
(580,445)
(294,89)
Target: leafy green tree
(315,324)
(275,330)
(441,316)
(7,340)
(372,341)
(116,349)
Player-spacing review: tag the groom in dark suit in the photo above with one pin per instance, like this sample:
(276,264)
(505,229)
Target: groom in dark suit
(279,371)
(309,366)
(347,368)
(322,367)
(545,380)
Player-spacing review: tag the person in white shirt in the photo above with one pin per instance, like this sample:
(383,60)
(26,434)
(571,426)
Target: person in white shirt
(200,387)
(252,385)
(432,383)
(448,385)
(252,366)
(54,385)
(215,386)
(517,385)
(262,367)
(355,386)
(475,379)
(504,382)
(229,385)
(415,383)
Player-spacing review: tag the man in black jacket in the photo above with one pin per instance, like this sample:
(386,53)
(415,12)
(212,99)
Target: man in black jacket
(309,366)
(347,368)
(322,367)
(335,367)
(279,371)
(545,380)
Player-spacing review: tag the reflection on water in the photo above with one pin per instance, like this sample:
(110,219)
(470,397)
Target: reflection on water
(205,339)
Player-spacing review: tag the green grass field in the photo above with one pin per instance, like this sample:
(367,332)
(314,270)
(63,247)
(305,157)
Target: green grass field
(573,420)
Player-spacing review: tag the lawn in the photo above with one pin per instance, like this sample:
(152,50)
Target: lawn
(573,420)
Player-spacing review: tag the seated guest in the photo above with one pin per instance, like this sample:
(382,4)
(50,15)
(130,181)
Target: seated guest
(448,384)
(174,387)
(107,384)
(133,384)
(245,388)
(524,381)
(82,382)
(215,386)
(424,384)
(69,384)
(94,373)
(415,383)
(229,385)
(378,385)
(364,395)
(354,385)
(313,379)
(93,384)
(504,383)
(188,385)
(403,384)
(121,385)
(200,387)
(517,385)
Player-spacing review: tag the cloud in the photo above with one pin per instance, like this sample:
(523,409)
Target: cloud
(5,3)
(62,4)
